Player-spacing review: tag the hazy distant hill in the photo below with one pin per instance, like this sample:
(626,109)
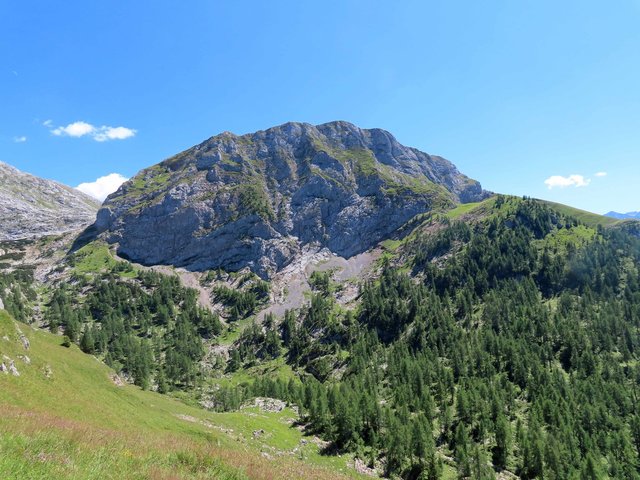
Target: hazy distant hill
(623,216)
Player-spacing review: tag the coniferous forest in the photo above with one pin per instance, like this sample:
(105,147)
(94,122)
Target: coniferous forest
(507,342)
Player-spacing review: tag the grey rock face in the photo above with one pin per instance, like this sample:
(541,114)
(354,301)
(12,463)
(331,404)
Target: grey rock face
(33,207)
(254,200)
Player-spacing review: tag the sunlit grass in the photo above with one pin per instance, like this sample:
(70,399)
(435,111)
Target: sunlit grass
(461,210)
(63,417)
(588,218)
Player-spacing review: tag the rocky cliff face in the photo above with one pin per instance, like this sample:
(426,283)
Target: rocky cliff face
(33,207)
(254,200)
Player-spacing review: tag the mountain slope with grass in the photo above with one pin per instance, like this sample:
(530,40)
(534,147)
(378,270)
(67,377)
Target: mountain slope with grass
(483,334)
(67,415)
(588,218)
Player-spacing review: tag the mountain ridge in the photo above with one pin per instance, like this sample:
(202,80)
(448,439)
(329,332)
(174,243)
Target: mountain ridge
(256,199)
(623,216)
(31,206)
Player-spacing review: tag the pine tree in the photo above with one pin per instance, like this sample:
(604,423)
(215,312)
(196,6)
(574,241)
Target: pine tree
(235,362)
(533,457)
(590,469)
(87,342)
(480,470)
(503,442)
(161,380)
(462,451)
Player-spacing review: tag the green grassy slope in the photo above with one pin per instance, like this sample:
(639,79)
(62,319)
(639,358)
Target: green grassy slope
(463,209)
(64,417)
(588,218)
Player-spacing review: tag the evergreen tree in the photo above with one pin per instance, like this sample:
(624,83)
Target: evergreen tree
(503,442)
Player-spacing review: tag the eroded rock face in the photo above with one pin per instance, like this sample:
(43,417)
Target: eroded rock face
(33,207)
(254,200)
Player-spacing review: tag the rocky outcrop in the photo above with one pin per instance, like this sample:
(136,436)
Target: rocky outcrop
(33,207)
(254,200)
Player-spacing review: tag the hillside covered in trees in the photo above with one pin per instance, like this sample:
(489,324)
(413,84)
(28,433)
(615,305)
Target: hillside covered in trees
(498,340)
(508,342)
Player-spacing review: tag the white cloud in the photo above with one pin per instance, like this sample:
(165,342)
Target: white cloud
(601,174)
(76,129)
(103,186)
(113,133)
(20,139)
(99,134)
(563,182)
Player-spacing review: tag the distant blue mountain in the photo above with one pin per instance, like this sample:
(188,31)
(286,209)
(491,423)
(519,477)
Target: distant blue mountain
(623,216)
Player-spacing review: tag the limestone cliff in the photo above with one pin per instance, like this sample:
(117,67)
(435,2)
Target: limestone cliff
(254,200)
(32,207)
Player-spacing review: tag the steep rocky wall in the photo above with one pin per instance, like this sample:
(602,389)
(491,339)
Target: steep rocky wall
(254,200)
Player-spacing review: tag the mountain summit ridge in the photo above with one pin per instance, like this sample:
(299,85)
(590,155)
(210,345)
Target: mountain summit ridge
(254,200)
(31,206)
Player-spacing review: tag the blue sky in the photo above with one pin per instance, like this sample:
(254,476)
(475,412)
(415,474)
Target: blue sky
(513,92)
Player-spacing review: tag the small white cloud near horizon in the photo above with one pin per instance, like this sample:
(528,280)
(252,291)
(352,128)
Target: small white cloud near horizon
(601,174)
(559,181)
(20,139)
(103,186)
(82,129)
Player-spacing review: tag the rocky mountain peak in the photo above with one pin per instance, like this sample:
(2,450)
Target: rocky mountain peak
(254,200)
(32,207)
